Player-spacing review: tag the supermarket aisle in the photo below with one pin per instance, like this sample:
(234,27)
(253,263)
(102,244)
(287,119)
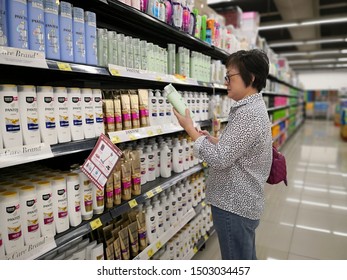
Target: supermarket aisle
(307,219)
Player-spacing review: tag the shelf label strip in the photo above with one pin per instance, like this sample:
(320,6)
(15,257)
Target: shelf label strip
(22,57)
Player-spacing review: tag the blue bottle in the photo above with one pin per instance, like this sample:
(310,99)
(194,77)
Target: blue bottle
(91,45)
(79,35)
(65,27)
(52,29)
(3,23)
(36,23)
(17,23)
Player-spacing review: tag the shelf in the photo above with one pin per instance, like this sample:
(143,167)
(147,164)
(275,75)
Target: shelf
(150,250)
(272,93)
(149,190)
(153,188)
(279,135)
(199,244)
(279,121)
(277,108)
(273,78)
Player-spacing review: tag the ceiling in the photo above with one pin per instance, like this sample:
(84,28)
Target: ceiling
(302,55)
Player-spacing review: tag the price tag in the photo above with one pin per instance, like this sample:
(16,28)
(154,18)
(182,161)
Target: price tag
(150,253)
(204,164)
(132,203)
(158,245)
(95,224)
(115,72)
(159,131)
(160,79)
(195,250)
(158,189)
(116,139)
(150,133)
(64,66)
(149,194)
(205,237)
(203,204)
(132,137)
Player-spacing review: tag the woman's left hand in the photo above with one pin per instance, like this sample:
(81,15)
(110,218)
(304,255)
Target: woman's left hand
(185,121)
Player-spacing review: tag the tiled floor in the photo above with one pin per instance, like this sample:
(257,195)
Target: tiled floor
(307,219)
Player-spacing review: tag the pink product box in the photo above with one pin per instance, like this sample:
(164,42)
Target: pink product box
(280,101)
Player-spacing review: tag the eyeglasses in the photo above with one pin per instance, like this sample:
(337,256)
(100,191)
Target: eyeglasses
(227,77)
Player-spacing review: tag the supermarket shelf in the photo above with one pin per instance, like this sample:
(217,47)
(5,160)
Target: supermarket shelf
(153,188)
(148,190)
(279,135)
(273,78)
(279,121)
(199,244)
(150,250)
(290,135)
(272,93)
(277,108)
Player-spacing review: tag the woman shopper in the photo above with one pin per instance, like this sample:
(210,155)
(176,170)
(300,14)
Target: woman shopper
(240,159)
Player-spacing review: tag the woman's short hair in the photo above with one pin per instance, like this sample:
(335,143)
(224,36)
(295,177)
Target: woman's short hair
(250,63)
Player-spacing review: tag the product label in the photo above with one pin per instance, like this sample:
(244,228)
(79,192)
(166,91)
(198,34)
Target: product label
(126,185)
(63,121)
(117,191)
(77,206)
(62,212)
(77,120)
(126,117)
(109,119)
(89,118)
(50,122)
(136,181)
(48,218)
(99,118)
(12,125)
(32,123)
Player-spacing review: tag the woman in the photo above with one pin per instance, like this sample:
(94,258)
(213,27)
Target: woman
(240,160)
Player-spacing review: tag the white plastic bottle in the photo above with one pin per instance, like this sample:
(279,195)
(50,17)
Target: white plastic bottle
(207,106)
(87,113)
(189,192)
(173,202)
(165,161)
(45,103)
(159,212)
(62,114)
(156,152)
(98,114)
(45,208)
(152,108)
(178,196)
(151,223)
(161,108)
(74,199)
(10,220)
(186,152)
(97,252)
(60,204)
(183,192)
(192,104)
(144,165)
(151,163)
(11,131)
(29,115)
(75,113)
(197,107)
(166,207)
(168,109)
(177,158)
(187,100)
(29,214)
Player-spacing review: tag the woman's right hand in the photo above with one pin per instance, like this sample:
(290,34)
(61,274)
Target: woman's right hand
(212,139)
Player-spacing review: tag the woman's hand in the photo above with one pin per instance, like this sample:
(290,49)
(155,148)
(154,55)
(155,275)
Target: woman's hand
(212,139)
(185,121)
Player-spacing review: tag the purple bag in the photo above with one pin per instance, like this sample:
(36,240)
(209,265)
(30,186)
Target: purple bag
(278,172)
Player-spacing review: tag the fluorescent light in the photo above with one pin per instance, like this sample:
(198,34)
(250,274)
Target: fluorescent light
(323,21)
(325,52)
(303,61)
(277,26)
(313,53)
(304,23)
(313,229)
(308,42)
(340,233)
(344,51)
(294,54)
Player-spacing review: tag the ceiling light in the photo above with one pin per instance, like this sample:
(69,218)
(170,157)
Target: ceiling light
(324,52)
(323,21)
(294,54)
(303,61)
(277,26)
(313,53)
(309,42)
(303,23)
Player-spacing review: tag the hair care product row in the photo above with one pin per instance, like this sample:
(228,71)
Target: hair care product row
(187,238)
(60,30)
(31,115)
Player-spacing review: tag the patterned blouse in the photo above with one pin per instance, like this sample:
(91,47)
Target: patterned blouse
(239,164)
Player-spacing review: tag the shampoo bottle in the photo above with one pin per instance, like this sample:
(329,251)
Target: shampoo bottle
(79,35)
(3,37)
(60,204)
(90,38)
(151,223)
(62,114)
(36,24)
(165,161)
(74,199)
(87,113)
(52,40)
(47,124)
(153,109)
(151,163)
(75,113)
(17,23)
(65,31)
(98,114)
(29,114)
(177,158)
